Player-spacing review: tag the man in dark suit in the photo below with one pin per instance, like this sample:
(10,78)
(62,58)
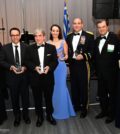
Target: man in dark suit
(117,118)
(106,61)
(3,93)
(12,59)
(41,59)
(80,44)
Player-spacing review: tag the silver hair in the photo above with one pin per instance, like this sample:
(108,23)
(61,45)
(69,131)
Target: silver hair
(39,31)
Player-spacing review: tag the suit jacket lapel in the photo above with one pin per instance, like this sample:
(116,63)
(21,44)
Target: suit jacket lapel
(98,42)
(22,51)
(45,54)
(35,53)
(71,45)
(82,34)
(12,54)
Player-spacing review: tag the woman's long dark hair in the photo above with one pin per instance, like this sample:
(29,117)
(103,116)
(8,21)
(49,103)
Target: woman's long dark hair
(60,32)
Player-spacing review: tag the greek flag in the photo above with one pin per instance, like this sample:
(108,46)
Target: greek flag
(66,27)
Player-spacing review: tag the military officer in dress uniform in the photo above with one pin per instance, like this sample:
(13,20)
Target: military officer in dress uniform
(80,44)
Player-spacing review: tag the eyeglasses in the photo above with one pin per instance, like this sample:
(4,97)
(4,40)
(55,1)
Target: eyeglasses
(14,35)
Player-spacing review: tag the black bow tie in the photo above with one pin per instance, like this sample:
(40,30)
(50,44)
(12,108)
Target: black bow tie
(40,46)
(102,37)
(76,34)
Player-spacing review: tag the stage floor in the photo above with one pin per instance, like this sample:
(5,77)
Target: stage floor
(73,125)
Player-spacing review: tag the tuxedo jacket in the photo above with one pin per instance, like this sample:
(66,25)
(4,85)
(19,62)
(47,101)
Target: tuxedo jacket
(3,89)
(32,60)
(2,73)
(85,48)
(107,60)
(7,59)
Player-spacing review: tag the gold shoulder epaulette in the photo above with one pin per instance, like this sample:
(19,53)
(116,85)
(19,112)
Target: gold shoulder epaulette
(69,33)
(89,32)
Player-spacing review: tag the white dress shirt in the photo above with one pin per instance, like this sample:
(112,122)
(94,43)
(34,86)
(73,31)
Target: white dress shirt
(75,41)
(19,51)
(102,42)
(41,57)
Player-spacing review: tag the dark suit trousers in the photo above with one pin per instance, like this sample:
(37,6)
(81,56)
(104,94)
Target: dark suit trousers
(19,89)
(107,85)
(3,113)
(43,90)
(117,118)
(79,84)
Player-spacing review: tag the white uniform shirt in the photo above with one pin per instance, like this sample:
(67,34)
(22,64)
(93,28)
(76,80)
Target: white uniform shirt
(75,41)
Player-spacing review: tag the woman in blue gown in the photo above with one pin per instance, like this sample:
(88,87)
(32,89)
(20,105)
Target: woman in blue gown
(62,104)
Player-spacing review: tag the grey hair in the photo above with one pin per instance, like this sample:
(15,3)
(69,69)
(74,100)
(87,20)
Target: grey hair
(39,31)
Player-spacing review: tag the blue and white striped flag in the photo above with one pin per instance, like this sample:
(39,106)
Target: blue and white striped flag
(66,27)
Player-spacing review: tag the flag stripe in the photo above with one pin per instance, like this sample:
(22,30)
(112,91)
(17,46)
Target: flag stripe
(66,27)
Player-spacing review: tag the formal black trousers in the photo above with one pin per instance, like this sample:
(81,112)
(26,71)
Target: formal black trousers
(79,84)
(3,113)
(43,91)
(117,117)
(107,86)
(19,90)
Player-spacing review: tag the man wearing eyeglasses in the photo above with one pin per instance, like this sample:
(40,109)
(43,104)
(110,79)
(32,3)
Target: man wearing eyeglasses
(12,59)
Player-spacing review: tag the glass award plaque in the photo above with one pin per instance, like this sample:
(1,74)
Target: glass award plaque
(18,66)
(41,69)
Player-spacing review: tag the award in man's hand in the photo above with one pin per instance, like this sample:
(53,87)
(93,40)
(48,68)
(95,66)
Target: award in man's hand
(19,68)
(41,69)
(77,52)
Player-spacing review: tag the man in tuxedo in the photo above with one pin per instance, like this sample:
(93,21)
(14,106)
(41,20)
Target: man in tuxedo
(106,57)
(12,59)
(80,44)
(3,94)
(41,60)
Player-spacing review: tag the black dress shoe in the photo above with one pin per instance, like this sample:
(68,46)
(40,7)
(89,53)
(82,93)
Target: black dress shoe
(27,120)
(77,109)
(17,122)
(39,121)
(117,125)
(100,115)
(1,122)
(51,120)
(83,114)
(109,120)
(2,119)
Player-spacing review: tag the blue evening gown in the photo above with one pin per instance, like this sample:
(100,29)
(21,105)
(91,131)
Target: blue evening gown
(62,104)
